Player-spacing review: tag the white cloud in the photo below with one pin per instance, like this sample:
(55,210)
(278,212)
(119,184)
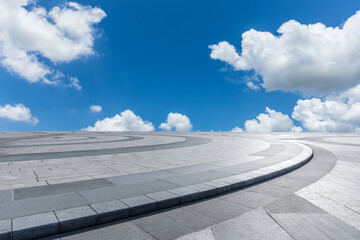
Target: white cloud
(237,129)
(352,95)
(18,112)
(252,86)
(95,108)
(126,121)
(30,35)
(313,59)
(59,79)
(74,82)
(176,121)
(318,115)
(225,52)
(271,121)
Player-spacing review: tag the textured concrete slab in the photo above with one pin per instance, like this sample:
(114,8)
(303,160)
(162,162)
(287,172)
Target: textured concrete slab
(127,231)
(315,226)
(205,234)
(140,204)
(111,211)
(292,204)
(40,205)
(164,199)
(221,187)
(186,194)
(6,196)
(35,226)
(205,190)
(32,192)
(217,210)
(256,224)
(125,191)
(5,229)
(249,199)
(141,177)
(76,218)
(172,225)
(190,179)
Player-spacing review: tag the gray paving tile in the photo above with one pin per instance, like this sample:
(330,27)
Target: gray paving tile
(6,196)
(280,187)
(110,211)
(190,179)
(164,199)
(140,177)
(5,229)
(31,192)
(140,204)
(217,209)
(249,198)
(205,190)
(125,191)
(35,226)
(274,148)
(205,234)
(76,218)
(196,168)
(236,161)
(40,205)
(292,204)
(251,166)
(173,224)
(256,224)
(315,226)
(220,186)
(186,194)
(123,231)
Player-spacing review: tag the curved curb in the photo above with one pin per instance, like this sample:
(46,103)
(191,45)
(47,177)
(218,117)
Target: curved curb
(50,223)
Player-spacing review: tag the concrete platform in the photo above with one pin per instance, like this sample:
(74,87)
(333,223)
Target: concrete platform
(132,174)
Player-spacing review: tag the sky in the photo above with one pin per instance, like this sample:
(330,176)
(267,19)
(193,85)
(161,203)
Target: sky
(133,65)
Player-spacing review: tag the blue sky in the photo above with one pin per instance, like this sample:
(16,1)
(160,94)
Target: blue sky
(153,58)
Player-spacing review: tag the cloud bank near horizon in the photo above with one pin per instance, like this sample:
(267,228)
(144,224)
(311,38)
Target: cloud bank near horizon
(177,122)
(125,121)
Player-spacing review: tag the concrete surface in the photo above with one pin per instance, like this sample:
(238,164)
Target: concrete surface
(317,201)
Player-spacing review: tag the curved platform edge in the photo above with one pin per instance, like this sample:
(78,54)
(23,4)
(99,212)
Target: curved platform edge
(50,223)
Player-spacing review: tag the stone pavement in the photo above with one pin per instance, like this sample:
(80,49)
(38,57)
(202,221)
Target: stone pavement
(130,174)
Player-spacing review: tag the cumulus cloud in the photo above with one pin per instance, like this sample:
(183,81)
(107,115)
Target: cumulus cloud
(237,129)
(17,112)
(126,121)
(318,115)
(29,34)
(176,121)
(313,59)
(95,108)
(271,121)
